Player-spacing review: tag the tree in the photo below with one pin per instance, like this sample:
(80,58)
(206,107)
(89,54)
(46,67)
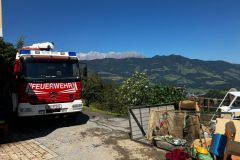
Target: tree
(7,57)
(7,53)
(135,90)
(92,89)
(20,42)
(167,94)
(215,94)
(109,101)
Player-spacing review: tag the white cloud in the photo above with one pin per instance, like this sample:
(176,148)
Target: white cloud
(101,55)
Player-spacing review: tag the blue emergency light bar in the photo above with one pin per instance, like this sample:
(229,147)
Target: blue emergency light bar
(72,53)
(37,52)
(25,52)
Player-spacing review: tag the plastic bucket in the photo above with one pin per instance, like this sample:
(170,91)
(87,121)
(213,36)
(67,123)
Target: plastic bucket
(218,144)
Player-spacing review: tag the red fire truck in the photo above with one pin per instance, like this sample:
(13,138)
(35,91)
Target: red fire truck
(47,82)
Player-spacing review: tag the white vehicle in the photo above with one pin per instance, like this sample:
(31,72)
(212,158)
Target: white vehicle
(230,105)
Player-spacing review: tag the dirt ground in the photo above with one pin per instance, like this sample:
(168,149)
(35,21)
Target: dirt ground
(89,136)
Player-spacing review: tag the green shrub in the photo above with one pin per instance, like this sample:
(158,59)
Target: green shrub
(7,57)
(136,90)
(166,94)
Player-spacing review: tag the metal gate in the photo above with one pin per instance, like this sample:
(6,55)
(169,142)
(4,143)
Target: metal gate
(139,117)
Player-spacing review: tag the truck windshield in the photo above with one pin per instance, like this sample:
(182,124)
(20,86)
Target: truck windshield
(45,69)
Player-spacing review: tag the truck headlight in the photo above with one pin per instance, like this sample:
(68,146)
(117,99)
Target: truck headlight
(76,106)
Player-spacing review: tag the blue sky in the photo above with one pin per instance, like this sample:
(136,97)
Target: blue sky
(199,29)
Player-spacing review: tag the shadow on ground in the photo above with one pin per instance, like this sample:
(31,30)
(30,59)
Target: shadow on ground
(29,128)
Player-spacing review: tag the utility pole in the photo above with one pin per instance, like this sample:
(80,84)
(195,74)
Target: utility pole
(1,29)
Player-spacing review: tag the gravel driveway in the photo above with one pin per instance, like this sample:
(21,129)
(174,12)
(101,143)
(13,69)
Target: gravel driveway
(91,136)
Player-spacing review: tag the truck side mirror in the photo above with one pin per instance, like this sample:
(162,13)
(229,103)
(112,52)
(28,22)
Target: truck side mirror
(83,70)
(17,68)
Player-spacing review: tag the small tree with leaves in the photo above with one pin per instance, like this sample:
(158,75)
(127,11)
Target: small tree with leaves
(167,94)
(20,42)
(7,57)
(92,89)
(135,90)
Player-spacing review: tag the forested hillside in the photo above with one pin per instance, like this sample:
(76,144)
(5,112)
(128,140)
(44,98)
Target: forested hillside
(171,70)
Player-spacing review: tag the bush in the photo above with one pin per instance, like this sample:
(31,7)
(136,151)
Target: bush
(135,90)
(166,94)
(92,89)
(110,102)
(7,57)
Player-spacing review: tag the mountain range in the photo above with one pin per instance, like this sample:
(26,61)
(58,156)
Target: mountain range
(102,55)
(173,70)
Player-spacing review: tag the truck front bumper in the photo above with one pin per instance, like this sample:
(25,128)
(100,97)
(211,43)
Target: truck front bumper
(27,109)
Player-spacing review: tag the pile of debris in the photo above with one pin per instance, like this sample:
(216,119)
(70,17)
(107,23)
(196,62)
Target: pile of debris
(181,131)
